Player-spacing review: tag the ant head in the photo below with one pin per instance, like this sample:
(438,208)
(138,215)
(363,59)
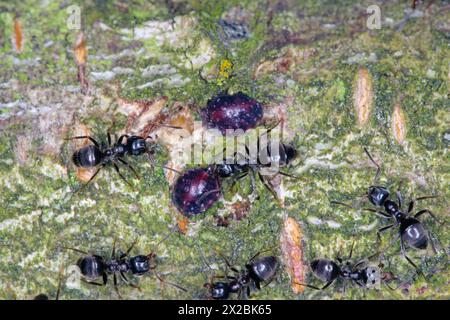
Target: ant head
(224,170)
(219,290)
(378,195)
(291,153)
(140,264)
(373,276)
(136,145)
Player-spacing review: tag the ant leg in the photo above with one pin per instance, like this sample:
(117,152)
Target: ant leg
(92,178)
(105,278)
(307,285)
(115,286)
(203,196)
(113,254)
(380,213)
(93,283)
(76,250)
(342,204)
(129,167)
(382,230)
(327,284)
(411,204)
(377,175)
(338,257)
(288,175)
(131,247)
(123,178)
(360,263)
(421,212)
(61,272)
(109,139)
(124,278)
(351,251)
(268,187)
(229,265)
(237,179)
(399,199)
(119,141)
(85,137)
(262,251)
(403,250)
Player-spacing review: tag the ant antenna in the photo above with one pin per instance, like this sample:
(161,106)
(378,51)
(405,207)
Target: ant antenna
(76,250)
(170,283)
(377,175)
(154,164)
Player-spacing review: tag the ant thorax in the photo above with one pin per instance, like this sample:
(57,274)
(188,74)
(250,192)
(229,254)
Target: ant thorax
(115,266)
(118,150)
(346,271)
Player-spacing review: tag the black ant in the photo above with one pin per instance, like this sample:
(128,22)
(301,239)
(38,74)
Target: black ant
(94,266)
(359,273)
(239,168)
(411,230)
(256,272)
(196,190)
(101,155)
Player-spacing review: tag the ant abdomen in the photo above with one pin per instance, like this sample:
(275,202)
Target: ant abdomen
(87,157)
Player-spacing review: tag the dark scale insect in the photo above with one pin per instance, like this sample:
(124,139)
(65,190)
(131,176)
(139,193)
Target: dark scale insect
(359,273)
(411,230)
(195,191)
(232,112)
(256,272)
(94,266)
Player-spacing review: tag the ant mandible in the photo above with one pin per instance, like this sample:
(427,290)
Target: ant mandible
(411,230)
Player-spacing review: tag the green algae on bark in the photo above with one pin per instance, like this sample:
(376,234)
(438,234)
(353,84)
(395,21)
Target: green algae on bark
(175,49)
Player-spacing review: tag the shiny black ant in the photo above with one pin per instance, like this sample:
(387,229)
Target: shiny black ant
(100,155)
(94,266)
(237,169)
(196,190)
(359,272)
(411,230)
(256,272)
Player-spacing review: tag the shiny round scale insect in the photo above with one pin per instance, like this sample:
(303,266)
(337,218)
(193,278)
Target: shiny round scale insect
(232,112)
(195,191)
